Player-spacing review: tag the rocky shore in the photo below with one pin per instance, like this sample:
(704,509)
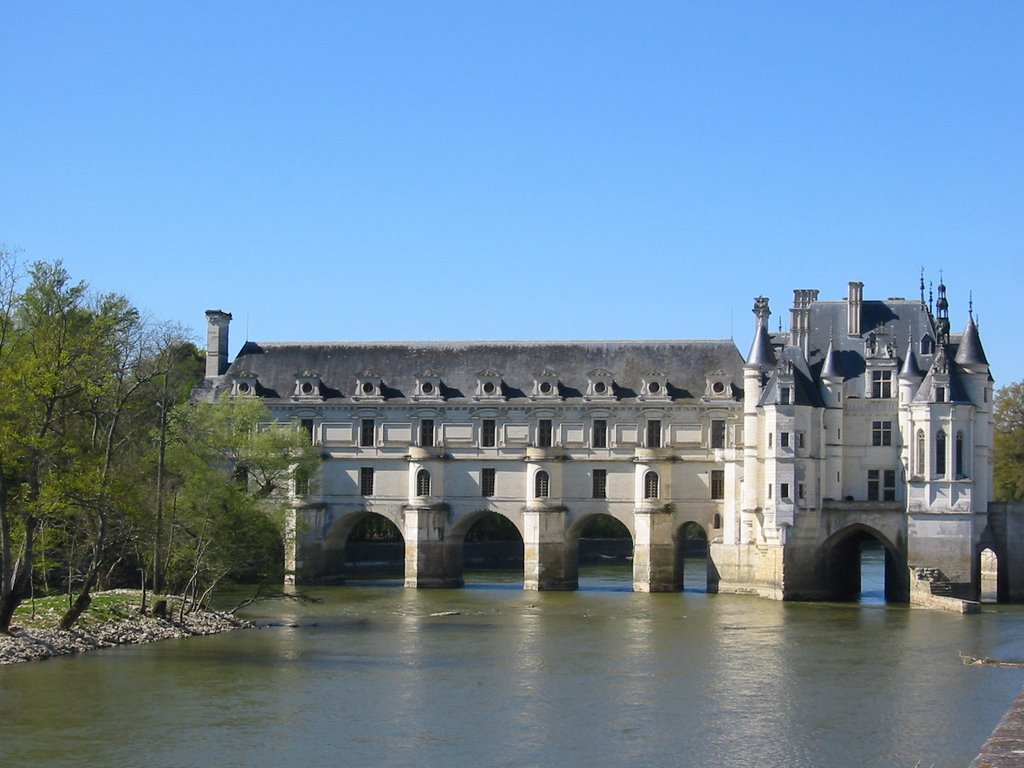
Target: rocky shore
(33,640)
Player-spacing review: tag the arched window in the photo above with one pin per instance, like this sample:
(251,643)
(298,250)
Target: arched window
(958,455)
(717,521)
(651,485)
(940,454)
(423,483)
(919,451)
(541,485)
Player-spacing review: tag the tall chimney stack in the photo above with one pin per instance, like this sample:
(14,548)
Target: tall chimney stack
(216,342)
(853,308)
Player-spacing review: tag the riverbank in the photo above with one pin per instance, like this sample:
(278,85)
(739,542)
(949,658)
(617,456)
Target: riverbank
(112,619)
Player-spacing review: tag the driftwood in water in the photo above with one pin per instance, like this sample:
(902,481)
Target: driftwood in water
(985,661)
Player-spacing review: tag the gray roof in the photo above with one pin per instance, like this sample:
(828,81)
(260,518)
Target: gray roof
(685,365)
(970,351)
(761,354)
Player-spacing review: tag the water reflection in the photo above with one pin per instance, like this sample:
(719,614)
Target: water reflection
(502,677)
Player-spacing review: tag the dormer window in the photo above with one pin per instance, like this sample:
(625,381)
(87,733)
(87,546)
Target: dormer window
(245,384)
(369,386)
(718,386)
(307,385)
(653,386)
(545,384)
(488,385)
(785,395)
(428,385)
(599,385)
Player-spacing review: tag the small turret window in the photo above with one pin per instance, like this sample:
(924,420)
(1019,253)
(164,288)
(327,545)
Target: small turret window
(940,454)
(958,455)
(541,485)
(651,485)
(919,463)
(423,483)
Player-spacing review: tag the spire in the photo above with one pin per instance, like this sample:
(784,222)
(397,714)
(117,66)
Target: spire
(942,314)
(970,351)
(910,369)
(831,369)
(761,353)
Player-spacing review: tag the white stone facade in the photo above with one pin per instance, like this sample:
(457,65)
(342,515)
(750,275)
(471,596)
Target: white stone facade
(867,418)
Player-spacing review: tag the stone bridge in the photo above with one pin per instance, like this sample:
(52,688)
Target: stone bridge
(819,561)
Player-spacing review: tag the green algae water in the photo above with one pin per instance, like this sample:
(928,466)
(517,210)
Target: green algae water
(490,675)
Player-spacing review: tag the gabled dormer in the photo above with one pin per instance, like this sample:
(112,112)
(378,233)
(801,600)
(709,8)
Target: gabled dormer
(428,386)
(600,385)
(369,386)
(654,386)
(488,385)
(245,384)
(718,387)
(545,385)
(307,386)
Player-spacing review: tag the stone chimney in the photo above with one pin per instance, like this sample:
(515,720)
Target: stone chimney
(217,323)
(800,317)
(854,305)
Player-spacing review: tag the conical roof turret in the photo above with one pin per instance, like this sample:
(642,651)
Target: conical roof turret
(761,353)
(831,368)
(970,352)
(910,369)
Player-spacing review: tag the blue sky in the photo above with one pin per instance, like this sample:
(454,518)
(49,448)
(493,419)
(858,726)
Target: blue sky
(361,171)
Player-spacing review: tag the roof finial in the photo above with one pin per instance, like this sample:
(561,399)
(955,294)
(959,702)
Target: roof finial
(970,303)
(922,285)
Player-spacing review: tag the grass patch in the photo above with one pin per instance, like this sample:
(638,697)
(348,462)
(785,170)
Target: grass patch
(105,607)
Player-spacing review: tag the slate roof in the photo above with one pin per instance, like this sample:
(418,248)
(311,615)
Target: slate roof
(458,364)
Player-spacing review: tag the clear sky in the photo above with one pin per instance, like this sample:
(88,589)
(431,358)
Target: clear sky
(528,170)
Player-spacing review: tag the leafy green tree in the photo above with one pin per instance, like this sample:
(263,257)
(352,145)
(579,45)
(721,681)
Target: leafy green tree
(1008,463)
(231,468)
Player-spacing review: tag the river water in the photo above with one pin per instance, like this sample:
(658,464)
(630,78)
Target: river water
(373,676)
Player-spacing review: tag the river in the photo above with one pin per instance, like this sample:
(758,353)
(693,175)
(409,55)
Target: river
(372,676)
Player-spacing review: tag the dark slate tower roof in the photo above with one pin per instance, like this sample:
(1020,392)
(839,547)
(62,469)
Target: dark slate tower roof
(459,365)
(910,369)
(970,351)
(831,368)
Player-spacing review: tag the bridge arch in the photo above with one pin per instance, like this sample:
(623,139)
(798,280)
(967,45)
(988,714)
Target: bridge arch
(457,539)
(692,546)
(606,538)
(381,547)
(841,555)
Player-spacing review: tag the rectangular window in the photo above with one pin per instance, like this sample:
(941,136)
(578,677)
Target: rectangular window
(874,481)
(366,481)
(785,395)
(769,490)
(801,439)
(770,438)
(784,439)
(600,484)
(487,482)
(487,433)
(881,433)
(881,383)
(783,490)
(366,430)
(717,433)
(940,394)
(654,433)
(717,483)
(889,485)
(600,433)
(306,425)
(800,491)
(544,433)
(427,433)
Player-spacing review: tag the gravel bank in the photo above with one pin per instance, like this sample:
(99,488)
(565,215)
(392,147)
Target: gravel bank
(33,644)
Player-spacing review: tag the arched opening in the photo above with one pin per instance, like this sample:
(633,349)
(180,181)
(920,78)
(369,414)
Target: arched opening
(861,565)
(423,483)
(652,486)
(364,547)
(603,552)
(692,561)
(492,551)
(541,485)
(989,582)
